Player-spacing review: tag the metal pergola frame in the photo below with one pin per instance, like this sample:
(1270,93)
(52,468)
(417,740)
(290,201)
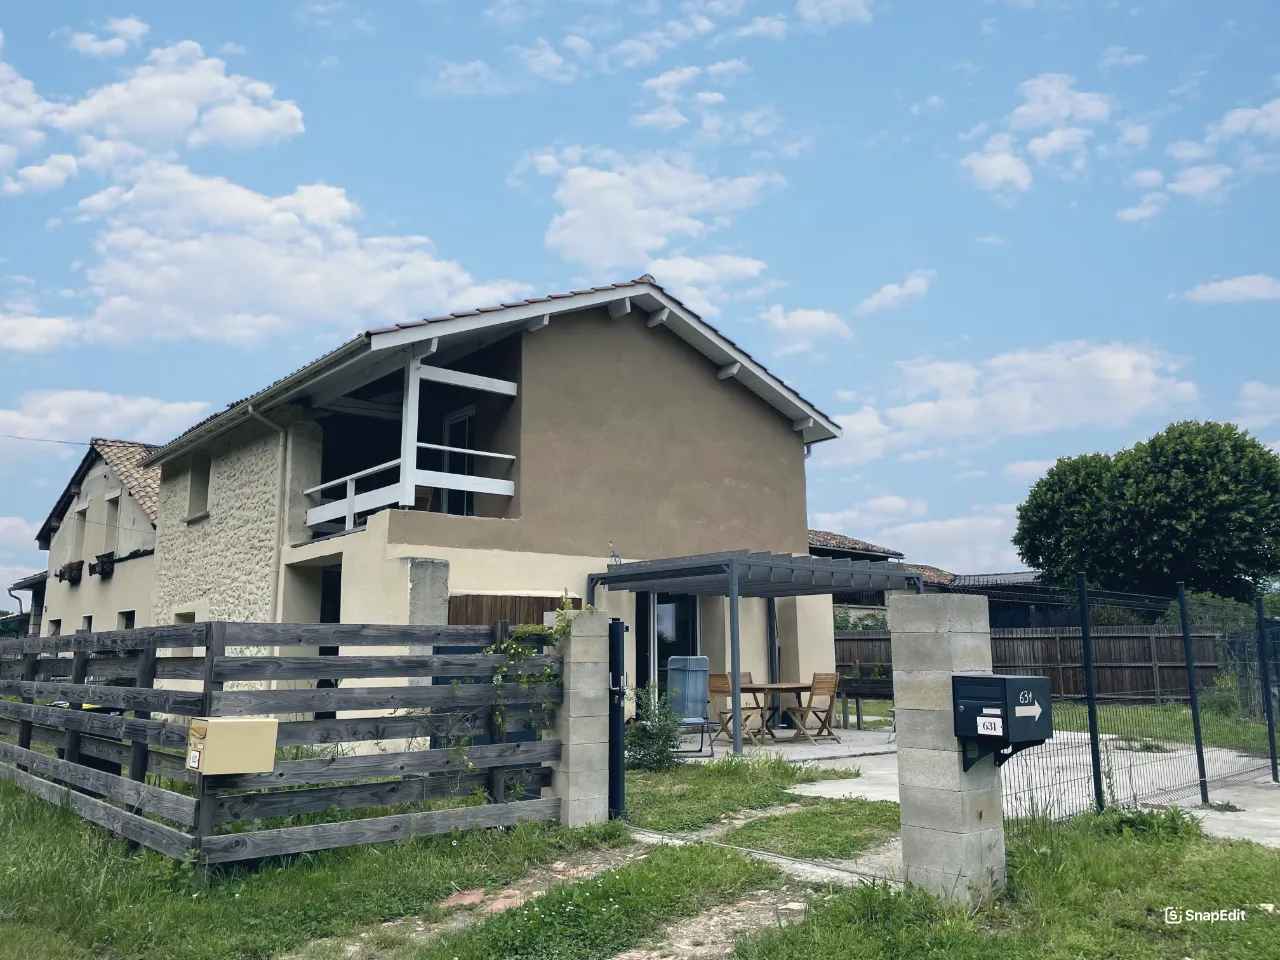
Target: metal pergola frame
(742,573)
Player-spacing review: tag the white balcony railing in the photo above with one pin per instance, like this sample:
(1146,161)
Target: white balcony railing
(349,504)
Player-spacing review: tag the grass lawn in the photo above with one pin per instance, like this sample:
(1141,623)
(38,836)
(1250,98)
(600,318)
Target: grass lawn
(828,830)
(598,919)
(68,891)
(1168,722)
(692,795)
(1094,888)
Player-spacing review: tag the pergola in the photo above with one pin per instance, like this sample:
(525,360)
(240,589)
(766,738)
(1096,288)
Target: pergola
(742,573)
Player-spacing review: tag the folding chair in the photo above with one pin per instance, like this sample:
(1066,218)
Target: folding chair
(824,686)
(687,690)
(720,686)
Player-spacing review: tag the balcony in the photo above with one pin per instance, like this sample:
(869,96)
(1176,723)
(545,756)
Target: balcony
(437,419)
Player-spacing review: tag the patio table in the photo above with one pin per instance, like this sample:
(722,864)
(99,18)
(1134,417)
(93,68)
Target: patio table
(773,708)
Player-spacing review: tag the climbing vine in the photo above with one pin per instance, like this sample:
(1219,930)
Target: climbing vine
(516,647)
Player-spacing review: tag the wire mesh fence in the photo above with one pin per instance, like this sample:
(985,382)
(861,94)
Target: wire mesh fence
(1178,696)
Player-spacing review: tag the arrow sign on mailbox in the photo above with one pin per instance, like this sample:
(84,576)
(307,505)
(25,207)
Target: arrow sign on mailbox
(1034,710)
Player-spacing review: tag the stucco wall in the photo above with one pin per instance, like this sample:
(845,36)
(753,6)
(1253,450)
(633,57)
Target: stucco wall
(129,588)
(220,567)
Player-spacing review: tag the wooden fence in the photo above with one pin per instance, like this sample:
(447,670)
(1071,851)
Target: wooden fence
(1146,662)
(100,720)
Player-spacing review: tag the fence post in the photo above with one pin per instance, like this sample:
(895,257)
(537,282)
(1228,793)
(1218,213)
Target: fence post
(30,670)
(79,671)
(1264,673)
(215,645)
(1189,653)
(581,777)
(1091,694)
(498,726)
(145,679)
(617,719)
(1155,661)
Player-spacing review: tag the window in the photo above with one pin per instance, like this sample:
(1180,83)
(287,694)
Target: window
(76,549)
(459,429)
(86,624)
(198,486)
(111,524)
(55,628)
(125,619)
(184,618)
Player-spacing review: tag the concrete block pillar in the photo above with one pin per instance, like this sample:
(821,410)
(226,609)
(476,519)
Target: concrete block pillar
(952,821)
(581,776)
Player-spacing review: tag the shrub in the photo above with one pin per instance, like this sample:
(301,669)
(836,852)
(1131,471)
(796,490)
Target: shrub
(654,735)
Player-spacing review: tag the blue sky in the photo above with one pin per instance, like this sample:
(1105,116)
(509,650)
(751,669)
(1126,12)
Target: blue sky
(983,234)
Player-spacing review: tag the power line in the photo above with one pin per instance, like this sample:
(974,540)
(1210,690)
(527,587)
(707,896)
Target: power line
(73,443)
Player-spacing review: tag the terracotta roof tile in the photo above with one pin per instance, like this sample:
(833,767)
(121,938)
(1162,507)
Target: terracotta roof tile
(838,541)
(123,456)
(934,575)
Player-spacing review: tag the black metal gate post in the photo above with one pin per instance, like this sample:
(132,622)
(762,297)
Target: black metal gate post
(617,704)
(1091,694)
(1264,673)
(1189,653)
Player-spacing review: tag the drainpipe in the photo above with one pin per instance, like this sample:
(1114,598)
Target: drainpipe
(18,598)
(808,450)
(276,579)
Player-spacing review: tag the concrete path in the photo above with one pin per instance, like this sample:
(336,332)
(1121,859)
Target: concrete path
(853,743)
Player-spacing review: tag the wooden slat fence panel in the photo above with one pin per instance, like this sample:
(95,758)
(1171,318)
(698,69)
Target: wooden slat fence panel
(157,836)
(355,667)
(126,698)
(163,803)
(241,703)
(155,732)
(313,732)
(326,836)
(350,635)
(483,609)
(109,668)
(175,635)
(162,764)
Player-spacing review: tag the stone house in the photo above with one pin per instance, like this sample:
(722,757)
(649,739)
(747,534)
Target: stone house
(481,465)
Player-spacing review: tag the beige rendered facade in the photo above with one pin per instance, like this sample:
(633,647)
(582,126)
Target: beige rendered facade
(617,426)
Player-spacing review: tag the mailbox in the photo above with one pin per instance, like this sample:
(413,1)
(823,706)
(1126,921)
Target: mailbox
(1000,715)
(220,745)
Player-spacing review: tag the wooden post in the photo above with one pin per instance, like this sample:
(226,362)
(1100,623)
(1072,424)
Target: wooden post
(409,433)
(857,704)
(145,678)
(79,670)
(30,667)
(844,710)
(1155,662)
(215,645)
(498,727)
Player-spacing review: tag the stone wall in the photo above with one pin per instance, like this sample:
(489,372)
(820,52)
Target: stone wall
(220,567)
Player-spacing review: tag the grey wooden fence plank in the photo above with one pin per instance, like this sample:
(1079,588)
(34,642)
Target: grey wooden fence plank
(128,698)
(309,732)
(288,803)
(163,803)
(157,836)
(162,764)
(296,773)
(237,703)
(348,635)
(155,732)
(170,635)
(168,668)
(326,836)
(344,667)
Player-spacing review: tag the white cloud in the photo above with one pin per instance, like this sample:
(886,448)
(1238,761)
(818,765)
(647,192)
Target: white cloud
(701,282)
(1072,140)
(16,532)
(473,78)
(49,174)
(80,414)
(709,97)
(1133,136)
(667,86)
(618,211)
(1020,393)
(893,295)
(665,117)
(125,33)
(230,49)
(727,69)
(800,329)
(1027,469)
(1262,122)
(1259,405)
(772,27)
(1189,151)
(578,45)
(997,169)
(25,333)
(977,543)
(830,13)
(931,102)
(648,46)
(1118,56)
(1052,100)
(1206,183)
(1246,289)
(991,240)
(870,514)
(1147,208)
(544,62)
(509,13)
(1145,179)
(171,237)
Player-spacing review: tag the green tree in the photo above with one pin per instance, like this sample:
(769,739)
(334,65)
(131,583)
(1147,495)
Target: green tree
(1198,503)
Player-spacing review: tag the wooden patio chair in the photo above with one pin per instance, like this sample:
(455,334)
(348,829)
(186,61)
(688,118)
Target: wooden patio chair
(824,687)
(719,686)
